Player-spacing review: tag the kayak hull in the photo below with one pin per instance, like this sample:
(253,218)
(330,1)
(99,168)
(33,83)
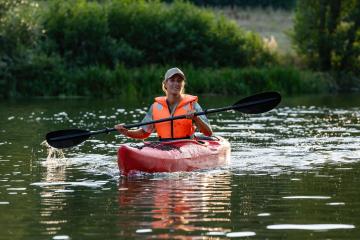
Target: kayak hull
(174,156)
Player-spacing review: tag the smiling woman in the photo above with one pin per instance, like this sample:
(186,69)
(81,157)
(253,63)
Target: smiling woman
(175,103)
(174,78)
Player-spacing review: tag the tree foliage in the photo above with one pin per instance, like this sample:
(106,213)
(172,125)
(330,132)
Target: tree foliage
(20,32)
(327,34)
(149,32)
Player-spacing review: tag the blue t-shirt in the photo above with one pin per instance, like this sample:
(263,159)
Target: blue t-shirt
(150,128)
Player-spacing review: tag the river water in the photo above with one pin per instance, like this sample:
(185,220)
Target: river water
(294,174)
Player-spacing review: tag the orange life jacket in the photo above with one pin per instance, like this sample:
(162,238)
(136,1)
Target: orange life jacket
(180,128)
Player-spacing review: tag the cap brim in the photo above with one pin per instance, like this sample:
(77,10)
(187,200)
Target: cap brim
(182,75)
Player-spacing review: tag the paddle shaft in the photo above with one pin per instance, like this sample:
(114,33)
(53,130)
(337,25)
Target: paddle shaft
(207,111)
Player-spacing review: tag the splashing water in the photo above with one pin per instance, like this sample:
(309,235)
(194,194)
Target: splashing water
(52,153)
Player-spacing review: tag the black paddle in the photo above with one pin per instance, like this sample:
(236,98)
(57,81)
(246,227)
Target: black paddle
(258,103)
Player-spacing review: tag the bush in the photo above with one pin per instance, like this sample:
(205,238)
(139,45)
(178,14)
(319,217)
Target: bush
(37,75)
(80,32)
(136,33)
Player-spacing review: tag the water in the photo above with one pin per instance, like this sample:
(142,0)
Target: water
(294,174)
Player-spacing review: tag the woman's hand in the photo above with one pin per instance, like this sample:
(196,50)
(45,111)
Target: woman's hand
(191,115)
(121,129)
(203,127)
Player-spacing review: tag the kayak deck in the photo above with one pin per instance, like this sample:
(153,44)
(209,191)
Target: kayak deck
(174,156)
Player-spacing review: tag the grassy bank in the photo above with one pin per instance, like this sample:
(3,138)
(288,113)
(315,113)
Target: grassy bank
(97,81)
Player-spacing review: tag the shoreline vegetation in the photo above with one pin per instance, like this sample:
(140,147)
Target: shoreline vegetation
(122,48)
(97,81)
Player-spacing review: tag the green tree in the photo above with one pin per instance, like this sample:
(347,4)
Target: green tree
(327,34)
(19,33)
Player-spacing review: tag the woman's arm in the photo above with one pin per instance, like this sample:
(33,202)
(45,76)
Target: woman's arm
(202,126)
(201,122)
(141,133)
(137,133)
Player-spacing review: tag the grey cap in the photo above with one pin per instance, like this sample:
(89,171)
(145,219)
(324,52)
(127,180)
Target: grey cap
(172,71)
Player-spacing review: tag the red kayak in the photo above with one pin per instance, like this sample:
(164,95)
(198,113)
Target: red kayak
(174,156)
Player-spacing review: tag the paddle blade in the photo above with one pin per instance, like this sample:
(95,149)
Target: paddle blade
(67,138)
(258,103)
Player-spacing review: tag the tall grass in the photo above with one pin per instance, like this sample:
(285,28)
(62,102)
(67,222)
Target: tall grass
(100,81)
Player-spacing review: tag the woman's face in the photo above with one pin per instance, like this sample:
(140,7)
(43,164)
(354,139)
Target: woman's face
(175,85)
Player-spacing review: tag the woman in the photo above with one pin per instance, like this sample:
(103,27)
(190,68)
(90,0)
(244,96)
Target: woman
(173,104)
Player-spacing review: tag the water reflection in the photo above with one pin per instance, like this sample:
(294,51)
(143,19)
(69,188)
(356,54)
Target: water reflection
(179,203)
(315,227)
(56,190)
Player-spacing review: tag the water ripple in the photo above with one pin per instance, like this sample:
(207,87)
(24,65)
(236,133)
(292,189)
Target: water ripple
(315,227)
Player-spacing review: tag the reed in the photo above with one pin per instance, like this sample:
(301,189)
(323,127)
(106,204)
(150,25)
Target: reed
(99,81)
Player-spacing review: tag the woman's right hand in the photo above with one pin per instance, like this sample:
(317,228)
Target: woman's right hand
(121,129)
